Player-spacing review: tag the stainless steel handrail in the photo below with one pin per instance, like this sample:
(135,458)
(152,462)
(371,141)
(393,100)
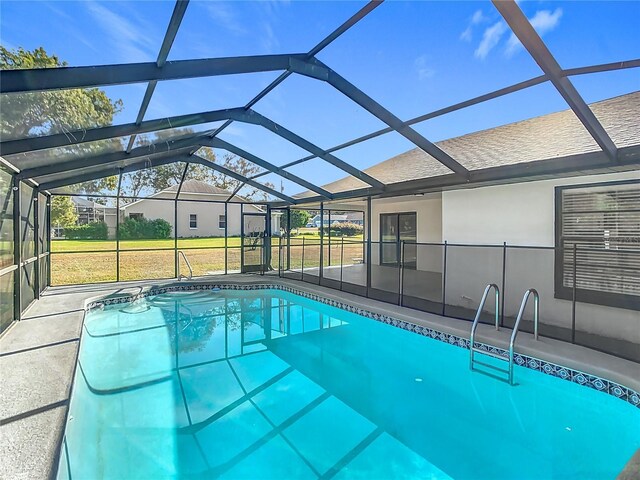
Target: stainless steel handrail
(189,312)
(180,276)
(479,312)
(536,312)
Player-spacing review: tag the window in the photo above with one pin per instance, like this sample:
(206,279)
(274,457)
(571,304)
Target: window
(222,221)
(136,216)
(193,221)
(599,226)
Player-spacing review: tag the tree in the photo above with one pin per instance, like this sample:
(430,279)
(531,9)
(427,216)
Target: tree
(299,219)
(56,111)
(164,176)
(63,212)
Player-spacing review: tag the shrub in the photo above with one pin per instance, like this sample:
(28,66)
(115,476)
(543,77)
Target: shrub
(345,229)
(89,231)
(142,228)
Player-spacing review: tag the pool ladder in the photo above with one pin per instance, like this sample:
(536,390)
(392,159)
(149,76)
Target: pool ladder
(472,344)
(181,276)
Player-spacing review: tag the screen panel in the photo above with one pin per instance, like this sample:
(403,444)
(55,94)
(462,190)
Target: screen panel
(408,69)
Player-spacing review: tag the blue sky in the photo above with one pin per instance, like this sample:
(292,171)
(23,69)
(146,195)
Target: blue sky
(412,57)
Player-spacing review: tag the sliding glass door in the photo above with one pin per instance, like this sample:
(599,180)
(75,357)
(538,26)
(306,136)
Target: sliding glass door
(395,228)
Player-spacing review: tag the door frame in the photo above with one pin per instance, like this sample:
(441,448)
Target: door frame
(260,267)
(397,241)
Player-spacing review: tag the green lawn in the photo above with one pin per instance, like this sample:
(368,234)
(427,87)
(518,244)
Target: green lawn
(100,265)
(102,245)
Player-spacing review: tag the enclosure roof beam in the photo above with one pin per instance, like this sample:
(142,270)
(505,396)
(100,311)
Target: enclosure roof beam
(255,118)
(219,143)
(111,157)
(593,161)
(241,178)
(235,191)
(40,79)
(525,32)
(103,133)
(182,177)
(355,18)
(313,68)
(10,147)
(163,158)
(604,67)
(179,10)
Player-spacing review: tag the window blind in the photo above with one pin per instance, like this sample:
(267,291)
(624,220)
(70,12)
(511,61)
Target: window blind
(603,222)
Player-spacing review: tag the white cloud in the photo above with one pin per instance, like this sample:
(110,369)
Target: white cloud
(467,34)
(543,21)
(422,67)
(269,39)
(132,41)
(271,14)
(226,17)
(490,39)
(477,18)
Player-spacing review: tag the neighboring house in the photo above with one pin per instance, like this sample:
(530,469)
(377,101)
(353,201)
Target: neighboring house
(335,218)
(598,205)
(354,217)
(197,216)
(88,211)
(350,217)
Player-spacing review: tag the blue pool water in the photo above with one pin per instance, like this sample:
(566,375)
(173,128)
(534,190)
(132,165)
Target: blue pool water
(267,384)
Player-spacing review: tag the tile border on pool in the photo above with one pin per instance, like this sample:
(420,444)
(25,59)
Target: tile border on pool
(565,373)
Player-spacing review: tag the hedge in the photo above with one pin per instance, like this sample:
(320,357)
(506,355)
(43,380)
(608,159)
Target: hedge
(345,229)
(88,231)
(138,229)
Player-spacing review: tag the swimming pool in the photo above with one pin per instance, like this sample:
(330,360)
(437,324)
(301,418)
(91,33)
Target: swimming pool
(269,384)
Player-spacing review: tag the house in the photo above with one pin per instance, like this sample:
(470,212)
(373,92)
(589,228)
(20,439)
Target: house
(201,211)
(88,211)
(354,217)
(349,217)
(597,208)
(521,211)
(315,221)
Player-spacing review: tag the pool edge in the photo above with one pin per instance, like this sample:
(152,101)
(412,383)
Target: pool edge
(547,367)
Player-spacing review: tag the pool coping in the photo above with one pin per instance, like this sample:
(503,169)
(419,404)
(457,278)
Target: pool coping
(580,376)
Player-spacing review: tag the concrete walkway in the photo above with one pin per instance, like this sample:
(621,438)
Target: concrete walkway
(37,362)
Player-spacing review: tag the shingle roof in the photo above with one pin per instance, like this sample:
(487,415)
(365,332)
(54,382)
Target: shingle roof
(550,136)
(198,186)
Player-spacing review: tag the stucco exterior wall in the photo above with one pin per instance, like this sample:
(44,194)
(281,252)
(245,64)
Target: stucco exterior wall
(428,210)
(520,214)
(207,214)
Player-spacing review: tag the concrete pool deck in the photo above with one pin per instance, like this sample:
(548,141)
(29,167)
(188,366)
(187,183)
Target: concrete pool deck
(38,357)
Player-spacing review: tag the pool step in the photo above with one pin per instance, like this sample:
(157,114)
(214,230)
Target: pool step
(490,354)
(472,345)
(475,362)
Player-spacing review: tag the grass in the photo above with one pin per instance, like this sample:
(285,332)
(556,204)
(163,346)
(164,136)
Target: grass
(97,264)
(101,245)
(207,242)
